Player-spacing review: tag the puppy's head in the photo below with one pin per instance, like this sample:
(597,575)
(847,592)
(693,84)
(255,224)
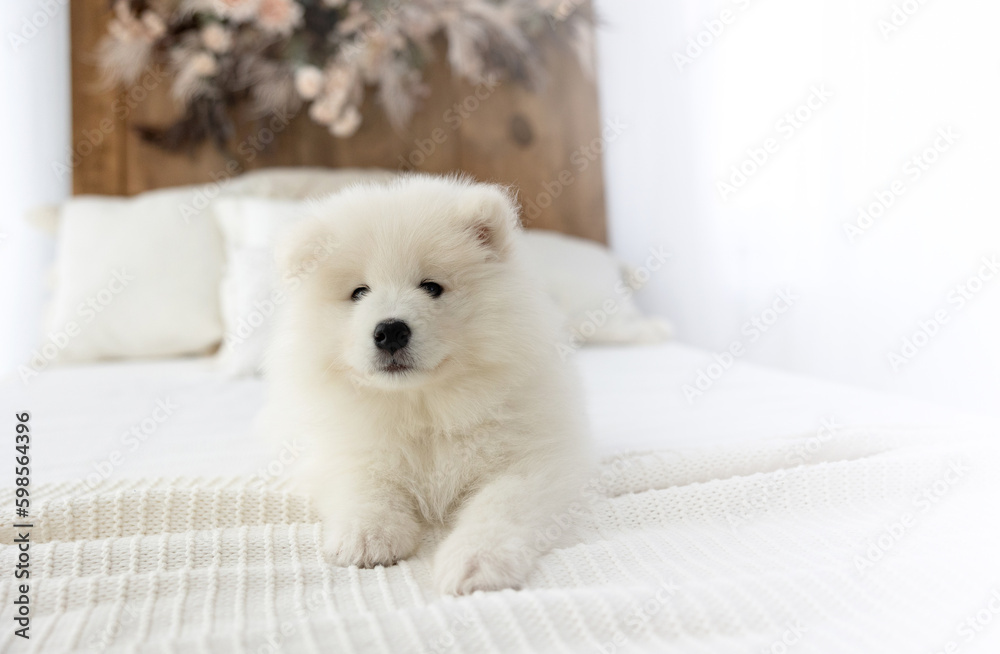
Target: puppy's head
(397,285)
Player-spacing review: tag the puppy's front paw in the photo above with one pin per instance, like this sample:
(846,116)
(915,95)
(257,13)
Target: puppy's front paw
(370,542)
(463,565)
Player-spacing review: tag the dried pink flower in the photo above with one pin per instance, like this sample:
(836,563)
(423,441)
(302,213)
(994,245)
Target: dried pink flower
(155,27)
(280,16)
(194,67)
(217,38)
(126,27)
(347,123)
(203,64)
(237,10)
(127,49)
(308,82)
(322,112)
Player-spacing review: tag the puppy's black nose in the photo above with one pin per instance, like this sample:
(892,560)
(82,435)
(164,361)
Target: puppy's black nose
(391,335)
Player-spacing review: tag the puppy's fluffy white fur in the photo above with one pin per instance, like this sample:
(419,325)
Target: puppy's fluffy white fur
(475,425)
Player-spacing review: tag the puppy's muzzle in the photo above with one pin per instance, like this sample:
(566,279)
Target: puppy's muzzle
(391,335)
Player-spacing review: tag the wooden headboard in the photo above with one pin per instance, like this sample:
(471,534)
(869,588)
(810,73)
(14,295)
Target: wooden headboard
(545,142)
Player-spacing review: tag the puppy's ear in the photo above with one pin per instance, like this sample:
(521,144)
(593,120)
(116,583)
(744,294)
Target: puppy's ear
(495,220)
(304,247)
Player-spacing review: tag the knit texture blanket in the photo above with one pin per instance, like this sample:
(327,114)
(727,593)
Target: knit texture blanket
(858,540)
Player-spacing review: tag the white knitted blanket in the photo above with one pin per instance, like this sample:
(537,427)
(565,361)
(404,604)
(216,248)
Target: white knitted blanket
(867,541)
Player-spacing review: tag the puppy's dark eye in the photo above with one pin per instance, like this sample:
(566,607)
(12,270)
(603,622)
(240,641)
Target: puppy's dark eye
(433,288)
(358,293)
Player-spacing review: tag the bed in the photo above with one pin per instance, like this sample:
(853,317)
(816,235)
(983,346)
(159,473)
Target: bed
(775,513)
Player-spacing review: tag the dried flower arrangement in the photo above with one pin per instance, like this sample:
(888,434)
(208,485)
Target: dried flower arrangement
(275,56)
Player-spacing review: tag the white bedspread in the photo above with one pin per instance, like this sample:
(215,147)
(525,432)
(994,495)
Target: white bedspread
(875,541)
(774,514)
(85,415)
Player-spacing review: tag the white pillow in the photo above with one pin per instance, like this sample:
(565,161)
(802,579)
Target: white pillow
(251,290)
(133,278)
(591,288)
(582,278)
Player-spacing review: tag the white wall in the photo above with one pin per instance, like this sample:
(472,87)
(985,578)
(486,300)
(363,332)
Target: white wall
(857,301)
(35,119)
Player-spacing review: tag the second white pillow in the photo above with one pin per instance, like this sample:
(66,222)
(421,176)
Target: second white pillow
(251,290)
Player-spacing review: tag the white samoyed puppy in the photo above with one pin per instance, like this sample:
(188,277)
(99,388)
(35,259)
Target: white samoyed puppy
(417,361)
